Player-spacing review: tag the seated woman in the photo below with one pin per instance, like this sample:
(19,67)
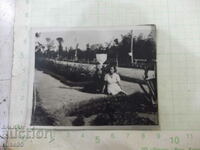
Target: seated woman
(112,80)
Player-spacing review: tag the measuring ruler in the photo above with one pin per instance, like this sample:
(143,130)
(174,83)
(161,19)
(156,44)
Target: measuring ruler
(136,140)
(113,140)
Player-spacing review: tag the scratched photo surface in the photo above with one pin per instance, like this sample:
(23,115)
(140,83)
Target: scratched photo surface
(95,77)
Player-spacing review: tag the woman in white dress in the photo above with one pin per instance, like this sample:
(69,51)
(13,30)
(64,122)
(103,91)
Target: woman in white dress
(112,80)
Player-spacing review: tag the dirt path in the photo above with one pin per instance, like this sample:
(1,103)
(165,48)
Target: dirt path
(56,99)
(54,94)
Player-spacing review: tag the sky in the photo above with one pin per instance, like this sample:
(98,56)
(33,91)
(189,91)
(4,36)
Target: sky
(91,36)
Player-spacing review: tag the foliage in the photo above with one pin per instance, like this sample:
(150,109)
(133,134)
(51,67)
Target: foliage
(118,50)
(114,110)
(70,72)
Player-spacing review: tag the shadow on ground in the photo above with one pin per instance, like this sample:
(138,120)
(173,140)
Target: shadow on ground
(120,110)
(110,110)
(40,117)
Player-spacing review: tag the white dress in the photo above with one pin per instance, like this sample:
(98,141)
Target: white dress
(113,87)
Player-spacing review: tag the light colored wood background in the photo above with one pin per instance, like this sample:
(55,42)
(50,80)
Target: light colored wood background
(6,49)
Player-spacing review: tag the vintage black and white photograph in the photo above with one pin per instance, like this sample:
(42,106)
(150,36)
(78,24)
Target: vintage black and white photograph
(95,77)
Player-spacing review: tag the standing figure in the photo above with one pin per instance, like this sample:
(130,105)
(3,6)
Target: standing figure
(99,78)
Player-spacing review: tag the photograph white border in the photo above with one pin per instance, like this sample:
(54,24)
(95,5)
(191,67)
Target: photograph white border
(31,81)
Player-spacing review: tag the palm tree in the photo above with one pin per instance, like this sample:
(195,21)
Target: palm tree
(60,47)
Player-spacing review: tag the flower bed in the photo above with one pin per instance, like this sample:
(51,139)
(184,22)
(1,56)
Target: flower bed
(72,72)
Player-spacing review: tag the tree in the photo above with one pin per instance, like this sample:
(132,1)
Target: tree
(116,47)
(87,52)
(50,46)
(37,34)
(118,50)
(91,51)
(39,49)
(125,49)
(71,53)
(76,52)
(60,47)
